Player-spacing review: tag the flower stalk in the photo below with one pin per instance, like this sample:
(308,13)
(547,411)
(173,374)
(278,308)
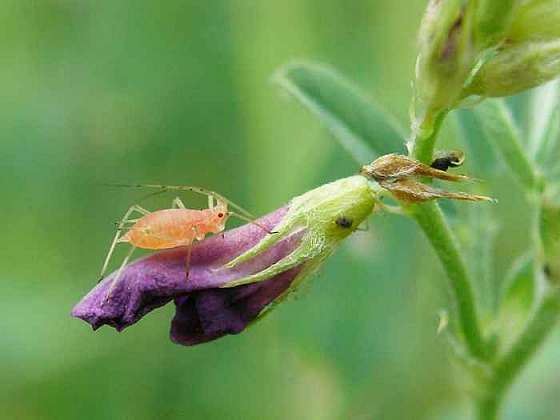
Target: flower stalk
(432,222)
(510,364)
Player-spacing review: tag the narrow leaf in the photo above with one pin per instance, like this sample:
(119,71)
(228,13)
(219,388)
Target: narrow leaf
(550,234)
(500,129)
(543,103)
(544,125)
(517,300)
(361,127)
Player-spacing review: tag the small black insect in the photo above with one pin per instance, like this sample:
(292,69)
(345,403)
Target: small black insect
(445,160)
(344,222)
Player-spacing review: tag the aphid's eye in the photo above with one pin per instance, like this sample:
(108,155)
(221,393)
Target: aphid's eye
(344,222)
(220,215)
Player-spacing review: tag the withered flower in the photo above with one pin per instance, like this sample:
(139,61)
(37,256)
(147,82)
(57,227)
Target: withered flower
(400,175)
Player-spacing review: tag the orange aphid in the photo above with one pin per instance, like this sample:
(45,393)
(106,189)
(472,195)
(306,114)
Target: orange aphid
(171,228)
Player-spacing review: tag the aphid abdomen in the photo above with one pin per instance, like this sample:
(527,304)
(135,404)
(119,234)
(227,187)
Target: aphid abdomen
(164,229)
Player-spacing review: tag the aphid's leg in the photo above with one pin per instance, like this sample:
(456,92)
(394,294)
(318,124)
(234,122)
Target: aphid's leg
(118,276)
(188,261)
(131,221)
(189,253)
(210,202)
(140,210)
(116,238)
(177,204)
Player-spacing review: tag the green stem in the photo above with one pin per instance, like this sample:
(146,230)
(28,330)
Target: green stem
(510,364)
(430,218)
(424,143)
(433,223)
(488,409)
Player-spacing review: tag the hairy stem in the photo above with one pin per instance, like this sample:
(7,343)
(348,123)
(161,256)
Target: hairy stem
(423,145)
(529,341)
(433,223)
(508,367)
(488,408)
(431,219)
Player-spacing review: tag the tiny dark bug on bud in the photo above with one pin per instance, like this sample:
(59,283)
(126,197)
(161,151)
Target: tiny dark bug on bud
(344,222)
(448,159)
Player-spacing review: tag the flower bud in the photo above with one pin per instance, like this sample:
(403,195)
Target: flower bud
(236,277)
(524,53)
(445,58)
(516,68)
(535,20)
(487,48)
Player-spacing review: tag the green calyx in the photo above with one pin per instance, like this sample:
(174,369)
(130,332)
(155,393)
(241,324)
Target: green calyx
(516,68)
(325,216)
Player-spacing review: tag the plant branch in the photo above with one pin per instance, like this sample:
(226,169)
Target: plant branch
(432,221)
(422,148)
(528,342)
(511,363)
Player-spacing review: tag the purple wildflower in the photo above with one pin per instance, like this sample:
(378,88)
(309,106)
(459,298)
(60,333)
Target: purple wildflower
(236,276)
(204,310)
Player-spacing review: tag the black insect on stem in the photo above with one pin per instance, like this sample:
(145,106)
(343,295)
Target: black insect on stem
(448,159)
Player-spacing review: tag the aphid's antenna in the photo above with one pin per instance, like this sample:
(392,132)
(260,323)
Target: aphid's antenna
(199,190)
(249,220)
(152,194)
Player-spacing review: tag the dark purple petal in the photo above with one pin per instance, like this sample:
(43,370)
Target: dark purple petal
(204,311)
(209,314)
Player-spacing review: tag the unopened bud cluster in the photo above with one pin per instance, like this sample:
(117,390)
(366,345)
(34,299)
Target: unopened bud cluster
(486,48)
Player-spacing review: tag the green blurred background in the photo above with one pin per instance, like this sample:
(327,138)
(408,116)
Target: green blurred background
(180,92)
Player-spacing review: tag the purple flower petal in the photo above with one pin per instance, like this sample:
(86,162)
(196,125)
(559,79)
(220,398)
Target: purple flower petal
(209,314)
(204,311)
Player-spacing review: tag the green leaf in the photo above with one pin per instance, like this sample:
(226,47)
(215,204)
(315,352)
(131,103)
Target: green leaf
(477,230)
(498,125)
(550,234)
(517,300)
(360,126)
(543,102)
(544,126)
